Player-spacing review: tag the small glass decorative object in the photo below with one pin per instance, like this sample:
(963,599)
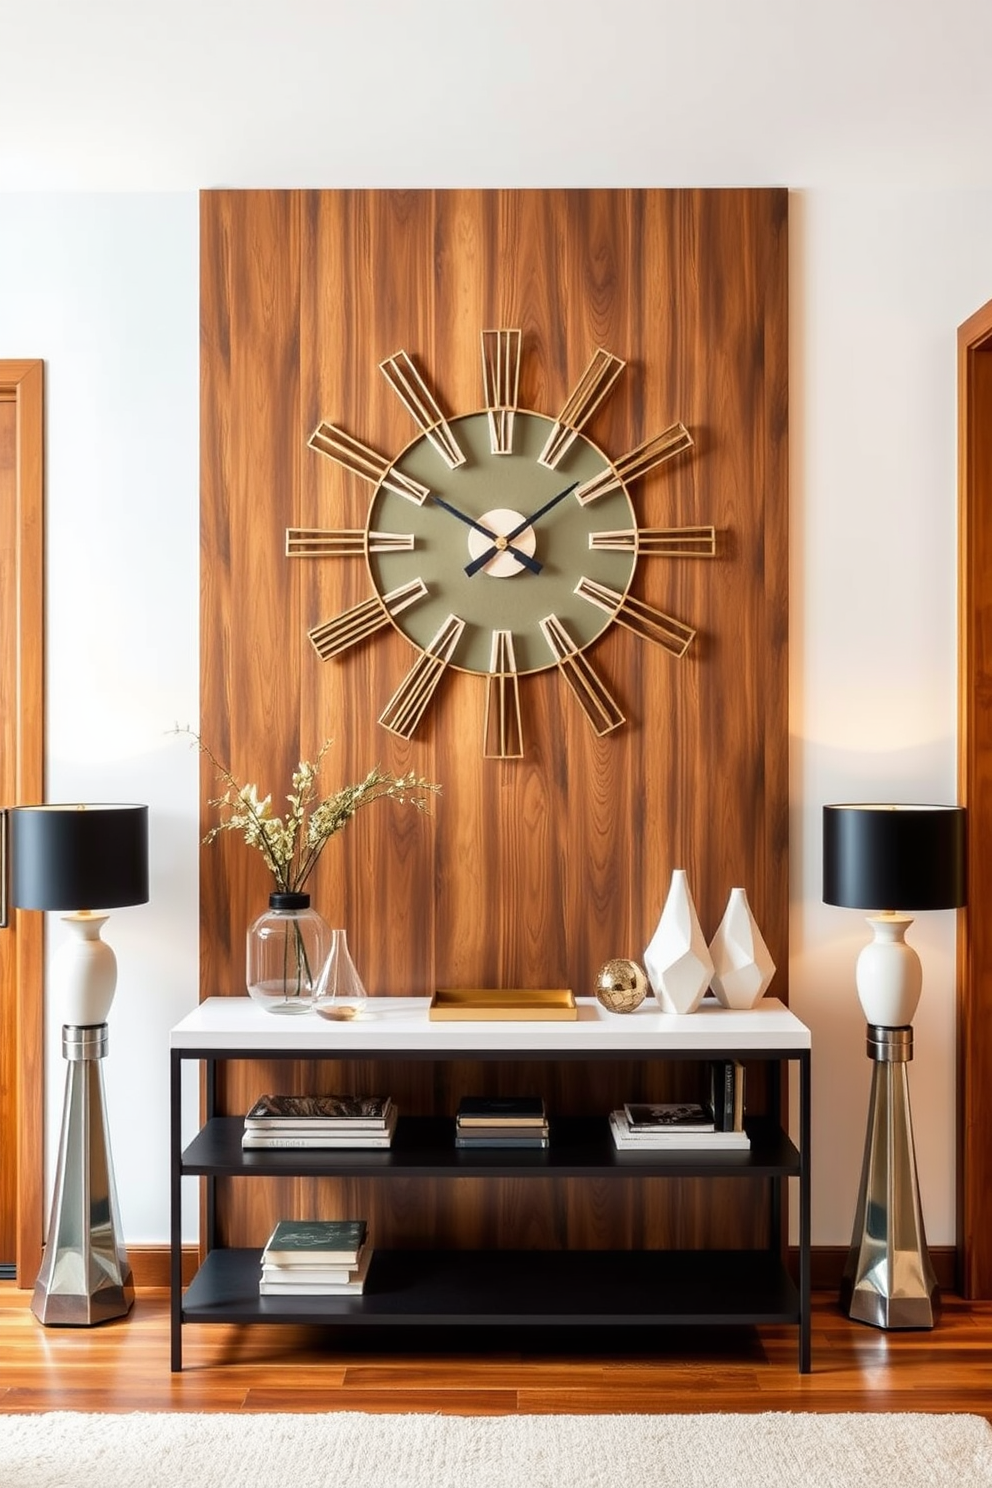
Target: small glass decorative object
(287,954)
(742,964)
(621,985)
(677,959)
(341,994)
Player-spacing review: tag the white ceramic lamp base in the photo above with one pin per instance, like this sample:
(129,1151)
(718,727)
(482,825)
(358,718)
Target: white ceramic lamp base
(889,974)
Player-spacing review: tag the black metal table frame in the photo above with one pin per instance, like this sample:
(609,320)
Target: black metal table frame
(210,1057)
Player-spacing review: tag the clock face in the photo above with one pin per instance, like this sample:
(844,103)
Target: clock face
(500,492)
(502,543)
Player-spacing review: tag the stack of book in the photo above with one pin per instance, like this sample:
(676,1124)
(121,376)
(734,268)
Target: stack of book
(320,1121)
(501,1121)
(672,1126)
(315,1258)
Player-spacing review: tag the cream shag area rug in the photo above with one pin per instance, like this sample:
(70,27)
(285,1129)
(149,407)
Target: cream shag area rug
(348,1450)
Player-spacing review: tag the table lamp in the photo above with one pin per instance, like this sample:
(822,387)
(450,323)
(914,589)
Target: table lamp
(889,859)
(84,859)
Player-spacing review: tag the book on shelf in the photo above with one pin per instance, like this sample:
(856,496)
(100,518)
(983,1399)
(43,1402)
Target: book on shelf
(328,1242)
(501,1110)
(668,1116)
(727,1094)
(505,1140)
(326,1275)
(512,1133)
(738,1096)
(319,1112)
(324,1137)
(674,1139)
(300,1283)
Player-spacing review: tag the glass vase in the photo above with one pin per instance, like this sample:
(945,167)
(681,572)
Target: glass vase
(342,994)
(287,954)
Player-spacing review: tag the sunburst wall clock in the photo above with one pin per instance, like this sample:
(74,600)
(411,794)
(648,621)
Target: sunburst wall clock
(501,542)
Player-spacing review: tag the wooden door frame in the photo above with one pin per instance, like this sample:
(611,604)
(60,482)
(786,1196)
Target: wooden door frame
(974,998)
(22,383)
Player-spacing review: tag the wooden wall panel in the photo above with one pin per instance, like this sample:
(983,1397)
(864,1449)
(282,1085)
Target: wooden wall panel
(249,473)
(530,872)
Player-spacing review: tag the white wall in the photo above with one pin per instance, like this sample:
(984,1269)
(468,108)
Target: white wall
(880,281)
(105,289)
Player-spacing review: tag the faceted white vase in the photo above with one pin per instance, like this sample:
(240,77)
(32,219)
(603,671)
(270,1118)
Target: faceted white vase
(742,966)
(677,961)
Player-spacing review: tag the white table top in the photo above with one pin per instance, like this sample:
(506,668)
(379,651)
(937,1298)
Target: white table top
(397,1025)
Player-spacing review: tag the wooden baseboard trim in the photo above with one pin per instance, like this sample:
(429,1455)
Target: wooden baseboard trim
(150,1264)
(827,1266)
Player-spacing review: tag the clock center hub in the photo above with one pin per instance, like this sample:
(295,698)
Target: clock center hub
(501,521)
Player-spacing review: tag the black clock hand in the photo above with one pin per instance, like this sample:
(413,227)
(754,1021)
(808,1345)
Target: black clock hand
(487,557)
(500,543)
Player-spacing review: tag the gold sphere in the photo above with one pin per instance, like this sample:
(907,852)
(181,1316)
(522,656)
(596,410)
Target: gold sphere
(621,985)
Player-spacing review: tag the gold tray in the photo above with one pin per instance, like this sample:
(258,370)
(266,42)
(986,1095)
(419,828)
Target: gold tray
(496,1004)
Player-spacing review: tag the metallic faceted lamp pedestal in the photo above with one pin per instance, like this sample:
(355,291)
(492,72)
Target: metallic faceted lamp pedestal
(889,1280)
(83,861)
(908,858)
(85,1277)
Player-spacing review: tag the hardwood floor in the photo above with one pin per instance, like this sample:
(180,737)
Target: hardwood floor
(124,1366)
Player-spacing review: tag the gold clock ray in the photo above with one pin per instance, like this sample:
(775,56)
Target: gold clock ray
(500,542)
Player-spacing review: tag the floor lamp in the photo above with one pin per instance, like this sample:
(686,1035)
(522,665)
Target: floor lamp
(891,858)
(79,858)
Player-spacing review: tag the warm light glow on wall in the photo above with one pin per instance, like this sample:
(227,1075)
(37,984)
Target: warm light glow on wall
(878,726)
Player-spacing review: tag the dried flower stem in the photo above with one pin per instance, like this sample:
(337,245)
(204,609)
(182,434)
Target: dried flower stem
(291,847)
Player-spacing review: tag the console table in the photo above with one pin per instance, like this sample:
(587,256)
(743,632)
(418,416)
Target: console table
(495,1288)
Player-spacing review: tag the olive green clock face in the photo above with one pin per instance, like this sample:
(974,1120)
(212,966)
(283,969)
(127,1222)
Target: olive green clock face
(456,551)
(500,543)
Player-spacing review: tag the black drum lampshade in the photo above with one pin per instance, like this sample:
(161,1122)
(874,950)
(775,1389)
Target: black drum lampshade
(73,857)
(893,857)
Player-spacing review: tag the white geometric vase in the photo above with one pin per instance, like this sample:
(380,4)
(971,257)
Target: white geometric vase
(742,966)
(677,960)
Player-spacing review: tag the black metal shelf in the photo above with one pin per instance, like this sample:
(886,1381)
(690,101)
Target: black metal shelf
(527,1288)
(423,1147)
(517,1288)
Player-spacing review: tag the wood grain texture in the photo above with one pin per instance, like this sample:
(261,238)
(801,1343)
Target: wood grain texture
(124,1366)
(531,872)
(974,1006)
(250,454)
(8,732)
(22,724)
